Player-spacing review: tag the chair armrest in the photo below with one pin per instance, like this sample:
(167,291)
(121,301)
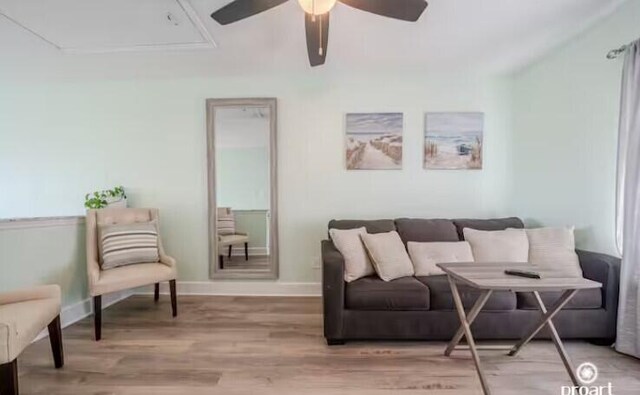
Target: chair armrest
(35,293)
(332,290)
(167,260)
(604,269)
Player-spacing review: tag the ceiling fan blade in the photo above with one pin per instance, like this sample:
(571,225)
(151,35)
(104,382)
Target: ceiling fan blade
(406,10)
(317,28)
(240,9)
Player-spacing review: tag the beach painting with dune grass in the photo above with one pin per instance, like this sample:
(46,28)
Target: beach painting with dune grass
(453,140)
(374,141)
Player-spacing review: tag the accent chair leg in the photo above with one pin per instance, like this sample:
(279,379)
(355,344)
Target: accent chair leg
(174,298)
(230,251)
(156,292)
(9,378)
(246,251)
(97,316)
(55,338)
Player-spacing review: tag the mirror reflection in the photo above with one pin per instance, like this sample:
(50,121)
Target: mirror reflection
(242,187)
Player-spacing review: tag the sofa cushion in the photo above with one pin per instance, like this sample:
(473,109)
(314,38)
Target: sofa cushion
(584,299)
(373,226)
(440,295)
(371,293)
(426,230)
(487,224)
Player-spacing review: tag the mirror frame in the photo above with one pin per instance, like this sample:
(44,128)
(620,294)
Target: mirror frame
(216,273)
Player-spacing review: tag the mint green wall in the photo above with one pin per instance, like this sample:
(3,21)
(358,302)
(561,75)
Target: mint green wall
(243,178)
(254,224)
(45,255)
(565,118)
(60,139)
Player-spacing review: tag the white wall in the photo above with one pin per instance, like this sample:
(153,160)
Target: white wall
(565,122)
(59,140)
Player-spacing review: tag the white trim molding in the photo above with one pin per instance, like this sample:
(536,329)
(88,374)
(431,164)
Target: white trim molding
(40,222)
(238,288)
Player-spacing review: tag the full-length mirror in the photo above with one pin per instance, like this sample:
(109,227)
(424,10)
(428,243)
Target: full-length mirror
(243,231)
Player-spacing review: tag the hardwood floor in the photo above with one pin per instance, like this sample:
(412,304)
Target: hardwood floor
(269,346)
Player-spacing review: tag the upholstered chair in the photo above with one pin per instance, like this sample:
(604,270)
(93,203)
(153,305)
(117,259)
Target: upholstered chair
(228,236)
(23,315)
(116,279)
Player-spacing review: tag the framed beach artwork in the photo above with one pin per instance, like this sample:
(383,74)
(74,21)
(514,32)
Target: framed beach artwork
(374,141)
(453,140)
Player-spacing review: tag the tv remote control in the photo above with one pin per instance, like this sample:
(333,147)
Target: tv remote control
(522,273)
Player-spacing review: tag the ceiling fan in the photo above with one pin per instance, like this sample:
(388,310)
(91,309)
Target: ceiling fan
(317,16)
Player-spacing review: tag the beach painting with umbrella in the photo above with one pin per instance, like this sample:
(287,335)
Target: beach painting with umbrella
(453,140)
(374,141)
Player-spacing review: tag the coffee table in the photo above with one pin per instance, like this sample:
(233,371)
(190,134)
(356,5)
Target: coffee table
(490,277)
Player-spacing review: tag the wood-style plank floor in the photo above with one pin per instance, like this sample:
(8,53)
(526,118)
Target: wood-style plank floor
(268,346)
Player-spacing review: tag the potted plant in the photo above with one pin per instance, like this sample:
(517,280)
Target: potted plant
(107,198)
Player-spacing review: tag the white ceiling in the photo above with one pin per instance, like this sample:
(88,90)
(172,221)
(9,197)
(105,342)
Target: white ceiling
(489,35)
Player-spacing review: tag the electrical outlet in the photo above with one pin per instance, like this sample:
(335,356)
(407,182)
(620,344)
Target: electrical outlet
(317,263)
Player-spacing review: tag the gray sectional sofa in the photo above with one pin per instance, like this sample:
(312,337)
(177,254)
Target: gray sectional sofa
(421,308)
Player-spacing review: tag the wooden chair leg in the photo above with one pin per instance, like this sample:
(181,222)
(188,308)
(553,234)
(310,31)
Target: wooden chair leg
(9,378)
(156,292)
(55,338)
(174,298)
(221,261)
(246,251)
(97,316)
(230,252)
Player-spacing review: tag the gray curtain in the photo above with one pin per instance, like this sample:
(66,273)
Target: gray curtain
(628,205)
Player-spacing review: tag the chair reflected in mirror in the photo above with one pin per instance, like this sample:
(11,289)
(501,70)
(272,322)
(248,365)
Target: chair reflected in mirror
(228,236)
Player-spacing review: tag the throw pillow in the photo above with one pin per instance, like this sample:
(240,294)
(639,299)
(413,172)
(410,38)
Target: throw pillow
(388,255)
(554,248)
(356,260)
(126,244)
(425,256)
(509,245)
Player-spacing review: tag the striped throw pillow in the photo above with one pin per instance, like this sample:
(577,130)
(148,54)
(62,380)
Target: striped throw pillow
(226,221)
(126,244)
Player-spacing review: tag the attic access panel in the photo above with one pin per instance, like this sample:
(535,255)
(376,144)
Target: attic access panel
(78,26)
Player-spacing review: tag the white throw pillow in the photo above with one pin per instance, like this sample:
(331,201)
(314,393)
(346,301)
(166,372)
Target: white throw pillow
(388,255)
(509,245)
(554,248)
(425,256)
(356,260)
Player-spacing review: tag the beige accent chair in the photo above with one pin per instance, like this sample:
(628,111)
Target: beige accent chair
(125,277)
(228,236)
(23,315)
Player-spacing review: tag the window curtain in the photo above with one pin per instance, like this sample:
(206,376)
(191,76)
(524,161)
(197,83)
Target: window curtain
(628,205)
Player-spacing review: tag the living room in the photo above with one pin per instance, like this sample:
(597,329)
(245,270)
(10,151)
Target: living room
(234,136)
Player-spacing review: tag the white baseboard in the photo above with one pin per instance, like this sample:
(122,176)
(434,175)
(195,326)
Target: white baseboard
(239,288)
(77,311)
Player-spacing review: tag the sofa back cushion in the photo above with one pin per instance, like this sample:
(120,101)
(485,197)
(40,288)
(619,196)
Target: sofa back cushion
(426,230)
(487,224)
(372,226)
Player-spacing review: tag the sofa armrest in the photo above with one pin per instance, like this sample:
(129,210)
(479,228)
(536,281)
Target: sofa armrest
(332,290)
(604,269)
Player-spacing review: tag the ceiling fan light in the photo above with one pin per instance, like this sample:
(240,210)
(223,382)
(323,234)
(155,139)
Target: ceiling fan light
(317,7)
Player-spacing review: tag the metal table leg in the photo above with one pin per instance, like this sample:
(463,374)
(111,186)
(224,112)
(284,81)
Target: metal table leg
(466,328)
